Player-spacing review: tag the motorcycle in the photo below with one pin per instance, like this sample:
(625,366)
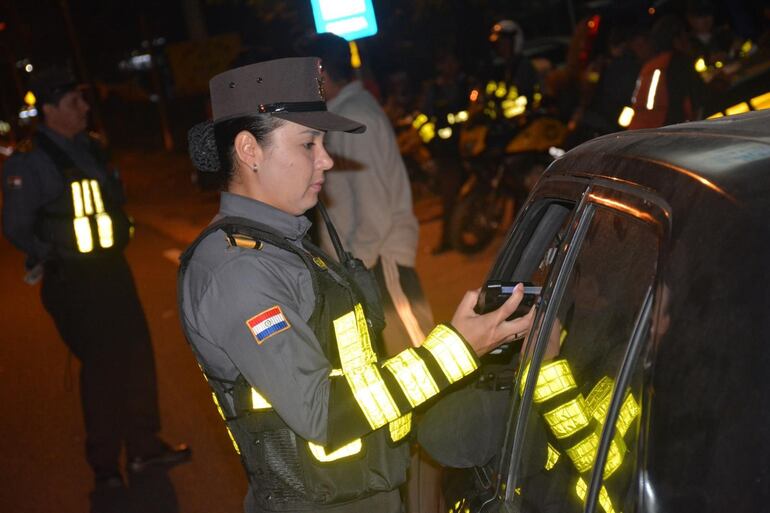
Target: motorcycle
(500,176)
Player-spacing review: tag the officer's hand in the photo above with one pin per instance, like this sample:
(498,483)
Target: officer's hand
(486,332)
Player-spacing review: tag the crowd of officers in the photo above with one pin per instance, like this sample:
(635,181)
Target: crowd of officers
(619,72)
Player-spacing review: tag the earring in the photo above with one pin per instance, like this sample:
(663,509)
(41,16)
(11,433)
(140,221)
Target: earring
(255,168)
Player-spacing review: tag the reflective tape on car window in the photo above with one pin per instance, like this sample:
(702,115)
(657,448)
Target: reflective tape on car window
(567,419)
(400,427)
(581,488)
(598,400)
(555,378)
(412,376)
(451,353)
(345,451)
(582,453)
(552,457)
(628,412)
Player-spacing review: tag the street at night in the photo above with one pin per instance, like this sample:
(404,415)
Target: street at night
(41,445)
(384,256)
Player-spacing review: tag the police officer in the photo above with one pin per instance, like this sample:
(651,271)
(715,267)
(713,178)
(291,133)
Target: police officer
(62,209)
(287,337)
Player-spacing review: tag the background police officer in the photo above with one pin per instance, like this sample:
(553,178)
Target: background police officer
(62,208)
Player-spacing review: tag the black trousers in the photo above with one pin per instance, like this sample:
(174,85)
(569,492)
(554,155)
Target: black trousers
(96,309)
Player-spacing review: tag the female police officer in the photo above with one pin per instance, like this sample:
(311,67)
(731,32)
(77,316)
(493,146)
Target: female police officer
(282,333)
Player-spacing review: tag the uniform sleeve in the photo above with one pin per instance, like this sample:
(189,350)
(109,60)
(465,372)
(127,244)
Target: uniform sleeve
(22,197)
(251,310)
(243,309)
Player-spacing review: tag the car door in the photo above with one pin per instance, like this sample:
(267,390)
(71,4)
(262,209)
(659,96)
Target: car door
(594,247)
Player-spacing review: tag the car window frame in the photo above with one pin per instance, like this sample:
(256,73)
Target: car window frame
(624,198)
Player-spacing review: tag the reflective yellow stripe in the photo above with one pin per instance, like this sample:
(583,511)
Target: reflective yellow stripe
(77,199)
(626,116)
(555,378)
(355,347)
(582,454)
(445,133)
(232,439)
(372,396)
(604,498)
(653,89)
(358,360)
(104,228)
(614,456)
(97,194)
(450,352)
(222,414)
(88,204)
(258,401)
(569,418)
(761,102)
(627,414)
(739,108)
(83,235)
(598,400)
(400,427)
(552,458)
(346,450)
(491,87)
(412,376)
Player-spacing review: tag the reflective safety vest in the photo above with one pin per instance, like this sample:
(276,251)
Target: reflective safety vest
(83,221)
(651,101)
(576,421)
(370,403)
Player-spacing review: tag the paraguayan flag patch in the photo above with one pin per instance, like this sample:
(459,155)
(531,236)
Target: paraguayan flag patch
(268,323)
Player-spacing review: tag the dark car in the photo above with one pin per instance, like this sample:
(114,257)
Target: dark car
(644,385)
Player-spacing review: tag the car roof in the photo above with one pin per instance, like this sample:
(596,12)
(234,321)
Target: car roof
(730,155)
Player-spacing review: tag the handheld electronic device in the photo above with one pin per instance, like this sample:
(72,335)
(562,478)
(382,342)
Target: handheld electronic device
(495,293)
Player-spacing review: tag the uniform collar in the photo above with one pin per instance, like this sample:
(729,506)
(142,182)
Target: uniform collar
(76,143)
(292,227)
(346,92)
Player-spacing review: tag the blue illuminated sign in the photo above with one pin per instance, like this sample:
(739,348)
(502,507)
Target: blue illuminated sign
(351,19)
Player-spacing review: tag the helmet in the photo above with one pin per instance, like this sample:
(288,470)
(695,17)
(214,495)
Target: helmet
(508,29)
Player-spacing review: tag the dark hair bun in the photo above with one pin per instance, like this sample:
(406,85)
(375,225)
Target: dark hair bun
(202,147)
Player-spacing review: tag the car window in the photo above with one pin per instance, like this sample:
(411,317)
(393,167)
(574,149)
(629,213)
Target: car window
(530,257)
(541,234)
(584,349)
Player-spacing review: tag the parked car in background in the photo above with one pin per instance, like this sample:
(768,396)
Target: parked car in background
(644,384)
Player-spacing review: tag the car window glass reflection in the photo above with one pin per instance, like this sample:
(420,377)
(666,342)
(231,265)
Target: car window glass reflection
(585,348)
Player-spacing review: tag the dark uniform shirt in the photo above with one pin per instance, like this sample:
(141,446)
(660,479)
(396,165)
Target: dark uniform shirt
(31,180)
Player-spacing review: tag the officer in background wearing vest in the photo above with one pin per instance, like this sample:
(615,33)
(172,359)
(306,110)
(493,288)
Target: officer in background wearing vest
(62,208)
